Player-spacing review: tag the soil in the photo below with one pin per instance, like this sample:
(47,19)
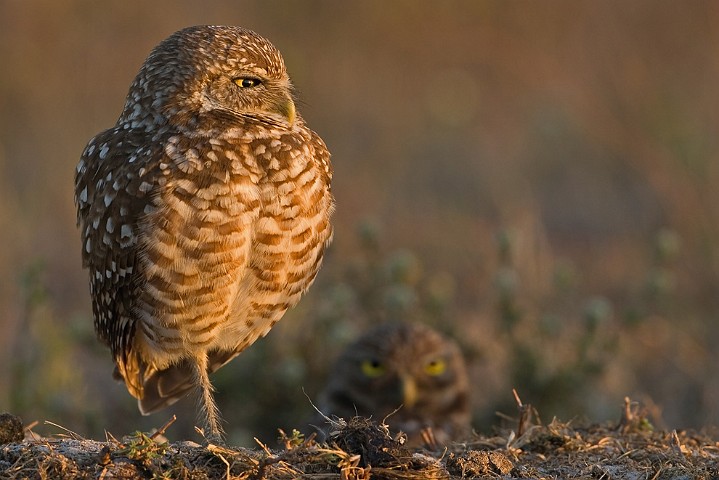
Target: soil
(361,450)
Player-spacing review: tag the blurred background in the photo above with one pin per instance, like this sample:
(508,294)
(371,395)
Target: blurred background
(538,180)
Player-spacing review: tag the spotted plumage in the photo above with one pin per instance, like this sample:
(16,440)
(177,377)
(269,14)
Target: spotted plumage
(203,213)
(407,375)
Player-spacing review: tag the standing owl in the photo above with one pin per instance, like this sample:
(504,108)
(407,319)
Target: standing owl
(407,375)
(203,213)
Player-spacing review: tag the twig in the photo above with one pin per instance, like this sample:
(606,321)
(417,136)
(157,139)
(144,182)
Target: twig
(525,413)
(164,428)
(216,452)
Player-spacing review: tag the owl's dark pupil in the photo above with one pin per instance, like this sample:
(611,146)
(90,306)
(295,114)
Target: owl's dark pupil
(374,363)
(249,82)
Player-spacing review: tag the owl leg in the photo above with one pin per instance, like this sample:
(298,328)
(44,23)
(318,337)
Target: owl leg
(213,430)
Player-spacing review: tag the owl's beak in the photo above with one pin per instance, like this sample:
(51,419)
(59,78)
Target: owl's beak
(409,392)
(286,108)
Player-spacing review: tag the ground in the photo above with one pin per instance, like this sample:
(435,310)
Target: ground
(361,450)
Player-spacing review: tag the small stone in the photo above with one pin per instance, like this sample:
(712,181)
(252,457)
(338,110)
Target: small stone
(11,429)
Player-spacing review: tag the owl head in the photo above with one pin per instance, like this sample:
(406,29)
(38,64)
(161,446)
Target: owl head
(408,375)
(211,77)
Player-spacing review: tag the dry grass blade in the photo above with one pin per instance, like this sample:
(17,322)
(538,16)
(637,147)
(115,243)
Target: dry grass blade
(72,434)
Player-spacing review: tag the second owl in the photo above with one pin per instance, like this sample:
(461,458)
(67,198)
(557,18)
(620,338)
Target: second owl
(407,375)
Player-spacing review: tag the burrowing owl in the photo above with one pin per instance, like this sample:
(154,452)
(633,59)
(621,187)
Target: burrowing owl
(408,369)
(204,212)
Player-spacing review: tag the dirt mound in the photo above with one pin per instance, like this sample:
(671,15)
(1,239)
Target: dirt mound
(361,450)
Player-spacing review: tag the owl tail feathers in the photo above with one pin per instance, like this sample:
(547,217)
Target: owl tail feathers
(154,389)
(157,389)
(130,369)
(162,388)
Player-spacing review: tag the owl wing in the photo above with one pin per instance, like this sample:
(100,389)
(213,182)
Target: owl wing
(322,157)
(111,194)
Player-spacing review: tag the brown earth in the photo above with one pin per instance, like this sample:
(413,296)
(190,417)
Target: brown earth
(361,450)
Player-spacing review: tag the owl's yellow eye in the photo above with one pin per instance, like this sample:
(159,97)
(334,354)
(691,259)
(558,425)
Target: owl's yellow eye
(247,82)
(373,368)
(435,367)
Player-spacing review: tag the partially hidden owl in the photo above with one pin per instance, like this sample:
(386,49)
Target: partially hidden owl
(407,375)
(204,213)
